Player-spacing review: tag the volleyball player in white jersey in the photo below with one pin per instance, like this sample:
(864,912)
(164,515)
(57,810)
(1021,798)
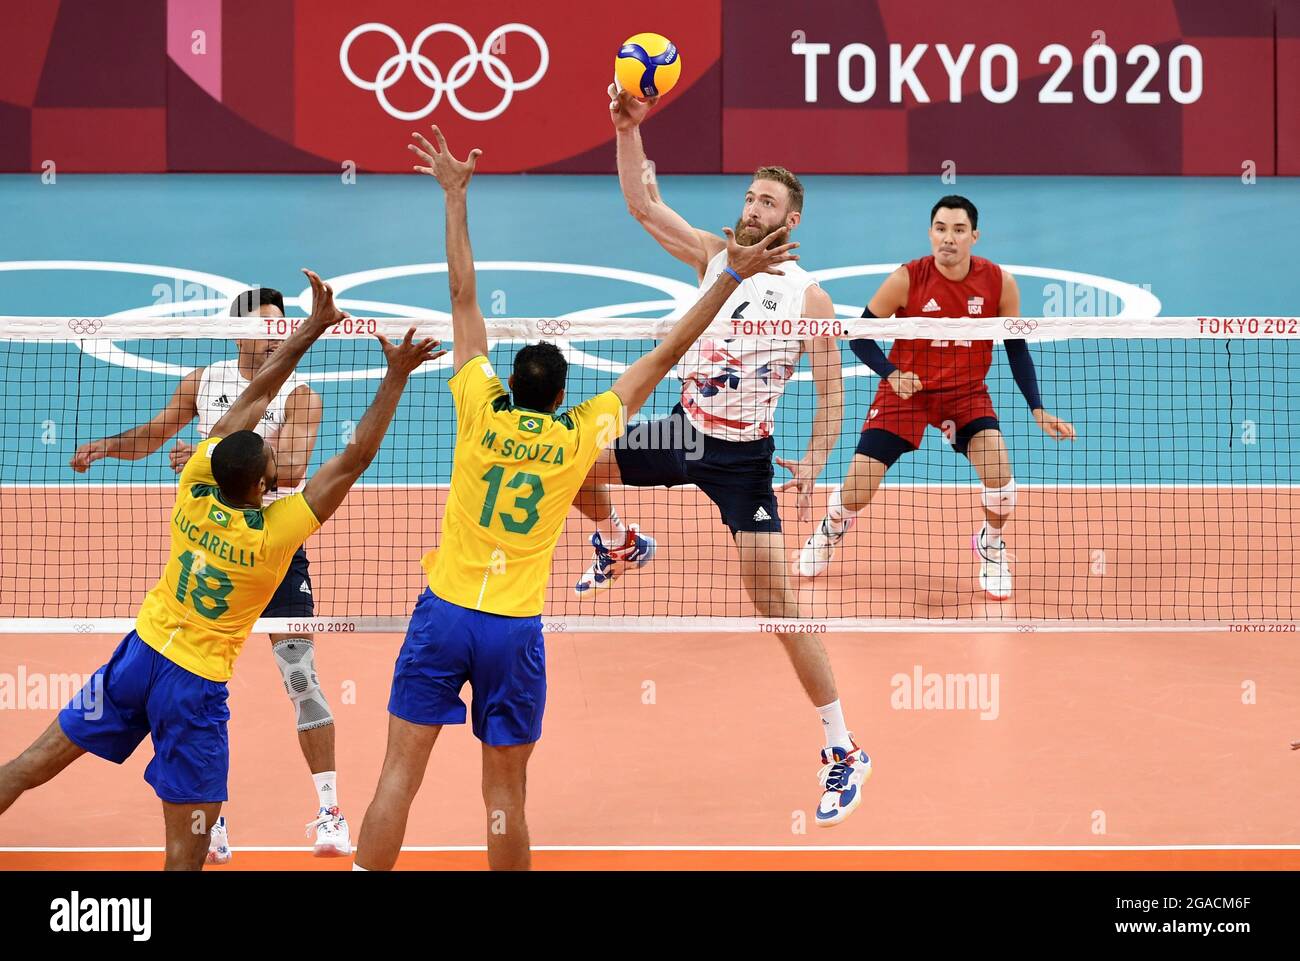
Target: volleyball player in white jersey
(720,436)
(290,424)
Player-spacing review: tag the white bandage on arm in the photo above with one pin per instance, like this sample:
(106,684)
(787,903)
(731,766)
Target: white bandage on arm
(1000,500)
(296,658)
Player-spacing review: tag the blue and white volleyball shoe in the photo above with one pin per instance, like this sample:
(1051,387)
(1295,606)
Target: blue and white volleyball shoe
(611,562)
(842,777)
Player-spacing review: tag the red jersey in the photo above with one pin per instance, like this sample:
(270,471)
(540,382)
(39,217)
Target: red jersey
(949,364)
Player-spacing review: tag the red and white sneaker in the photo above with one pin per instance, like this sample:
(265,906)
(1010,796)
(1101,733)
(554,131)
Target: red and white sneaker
(333,840)
(218,843)
(842,776)
(611,562)
(995,570)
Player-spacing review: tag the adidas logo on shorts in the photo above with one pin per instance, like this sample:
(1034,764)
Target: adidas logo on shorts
(762,515)
(304,589)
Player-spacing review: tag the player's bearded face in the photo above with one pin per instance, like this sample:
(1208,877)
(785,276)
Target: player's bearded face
(755,224)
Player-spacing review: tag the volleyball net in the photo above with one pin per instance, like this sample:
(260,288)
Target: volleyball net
(1175,506)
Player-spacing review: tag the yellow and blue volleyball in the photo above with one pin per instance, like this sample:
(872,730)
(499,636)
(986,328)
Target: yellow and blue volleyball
(648,65)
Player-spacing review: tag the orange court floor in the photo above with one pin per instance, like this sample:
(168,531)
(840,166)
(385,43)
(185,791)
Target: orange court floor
(1098,751)
(1082,749)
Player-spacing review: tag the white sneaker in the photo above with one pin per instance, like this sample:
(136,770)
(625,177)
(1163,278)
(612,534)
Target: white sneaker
(842,776)
(219,843)
(333,840)
(995,571)
(817,551)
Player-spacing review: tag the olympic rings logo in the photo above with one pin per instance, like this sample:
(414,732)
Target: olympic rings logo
(553,328)
(85,325)
(461,72)
(1017,326)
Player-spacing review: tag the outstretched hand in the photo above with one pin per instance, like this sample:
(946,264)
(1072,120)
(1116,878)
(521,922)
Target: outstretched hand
(454,175)
(627,111)
(323,309)
(407,355)
(762,257)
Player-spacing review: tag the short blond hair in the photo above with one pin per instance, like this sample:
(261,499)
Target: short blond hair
(783,176)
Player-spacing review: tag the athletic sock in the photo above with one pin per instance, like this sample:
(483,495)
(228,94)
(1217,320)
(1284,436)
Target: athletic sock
(613,533)
(838,517)
(357,867)
(837,733)
(327,788)
(991,537)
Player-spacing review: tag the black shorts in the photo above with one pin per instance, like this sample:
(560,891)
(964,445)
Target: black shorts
(735,475)
(293,597)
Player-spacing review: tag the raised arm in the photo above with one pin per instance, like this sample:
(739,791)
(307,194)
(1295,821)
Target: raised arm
(468,331)
(247,410)
(640,190)
(639,381)
(297,437)
(142,441)
(329,485)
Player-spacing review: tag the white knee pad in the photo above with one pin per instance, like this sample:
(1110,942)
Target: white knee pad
(296,658)
(1000,500)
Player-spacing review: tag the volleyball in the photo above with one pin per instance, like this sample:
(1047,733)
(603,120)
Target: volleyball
(648,65)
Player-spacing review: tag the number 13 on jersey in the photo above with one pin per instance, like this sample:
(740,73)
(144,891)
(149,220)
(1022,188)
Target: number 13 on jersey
(527,503)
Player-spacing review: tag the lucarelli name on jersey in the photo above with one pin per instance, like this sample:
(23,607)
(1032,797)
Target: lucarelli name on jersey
(800,327)
(519,450)
(213,544)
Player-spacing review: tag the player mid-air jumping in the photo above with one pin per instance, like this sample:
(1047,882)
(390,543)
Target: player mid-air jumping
(229,552)
(518,464)
(290,424)
(729,395)
(940,383)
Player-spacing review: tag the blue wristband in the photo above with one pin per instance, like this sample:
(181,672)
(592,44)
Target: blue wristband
(734,274)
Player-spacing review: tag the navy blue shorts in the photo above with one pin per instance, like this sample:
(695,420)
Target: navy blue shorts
(139,692)
(293,597)
(502,658)
(735,475)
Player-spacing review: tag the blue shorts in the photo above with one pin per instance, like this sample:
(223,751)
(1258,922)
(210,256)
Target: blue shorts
(502,658)
(293,597)
(735,475)
(140,692)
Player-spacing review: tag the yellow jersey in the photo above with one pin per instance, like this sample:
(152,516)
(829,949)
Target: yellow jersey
(225,565)
(515,475)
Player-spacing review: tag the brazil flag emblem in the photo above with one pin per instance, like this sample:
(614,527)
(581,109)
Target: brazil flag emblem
(219,516)
(530,424)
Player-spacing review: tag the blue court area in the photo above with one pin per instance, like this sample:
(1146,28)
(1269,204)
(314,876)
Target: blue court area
(1148,412)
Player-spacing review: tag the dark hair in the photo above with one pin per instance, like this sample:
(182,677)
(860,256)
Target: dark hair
(783,176)
(539,374)
(956,202)
(247,303)
(238,463)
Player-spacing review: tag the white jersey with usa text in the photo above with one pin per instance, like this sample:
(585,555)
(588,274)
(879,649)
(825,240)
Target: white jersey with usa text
(731,385)
(219,385)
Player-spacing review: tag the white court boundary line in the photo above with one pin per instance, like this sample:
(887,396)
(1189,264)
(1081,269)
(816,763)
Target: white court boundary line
(705,848)
(649,624)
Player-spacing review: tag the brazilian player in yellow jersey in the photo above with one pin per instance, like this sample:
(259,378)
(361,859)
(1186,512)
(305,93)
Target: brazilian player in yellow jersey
(519,463)
(167,679)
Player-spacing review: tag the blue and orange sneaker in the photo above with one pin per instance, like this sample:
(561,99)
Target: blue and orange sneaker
(611,562)
(843,774)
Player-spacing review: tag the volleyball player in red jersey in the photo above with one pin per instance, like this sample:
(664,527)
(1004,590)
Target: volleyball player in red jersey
(941,383)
